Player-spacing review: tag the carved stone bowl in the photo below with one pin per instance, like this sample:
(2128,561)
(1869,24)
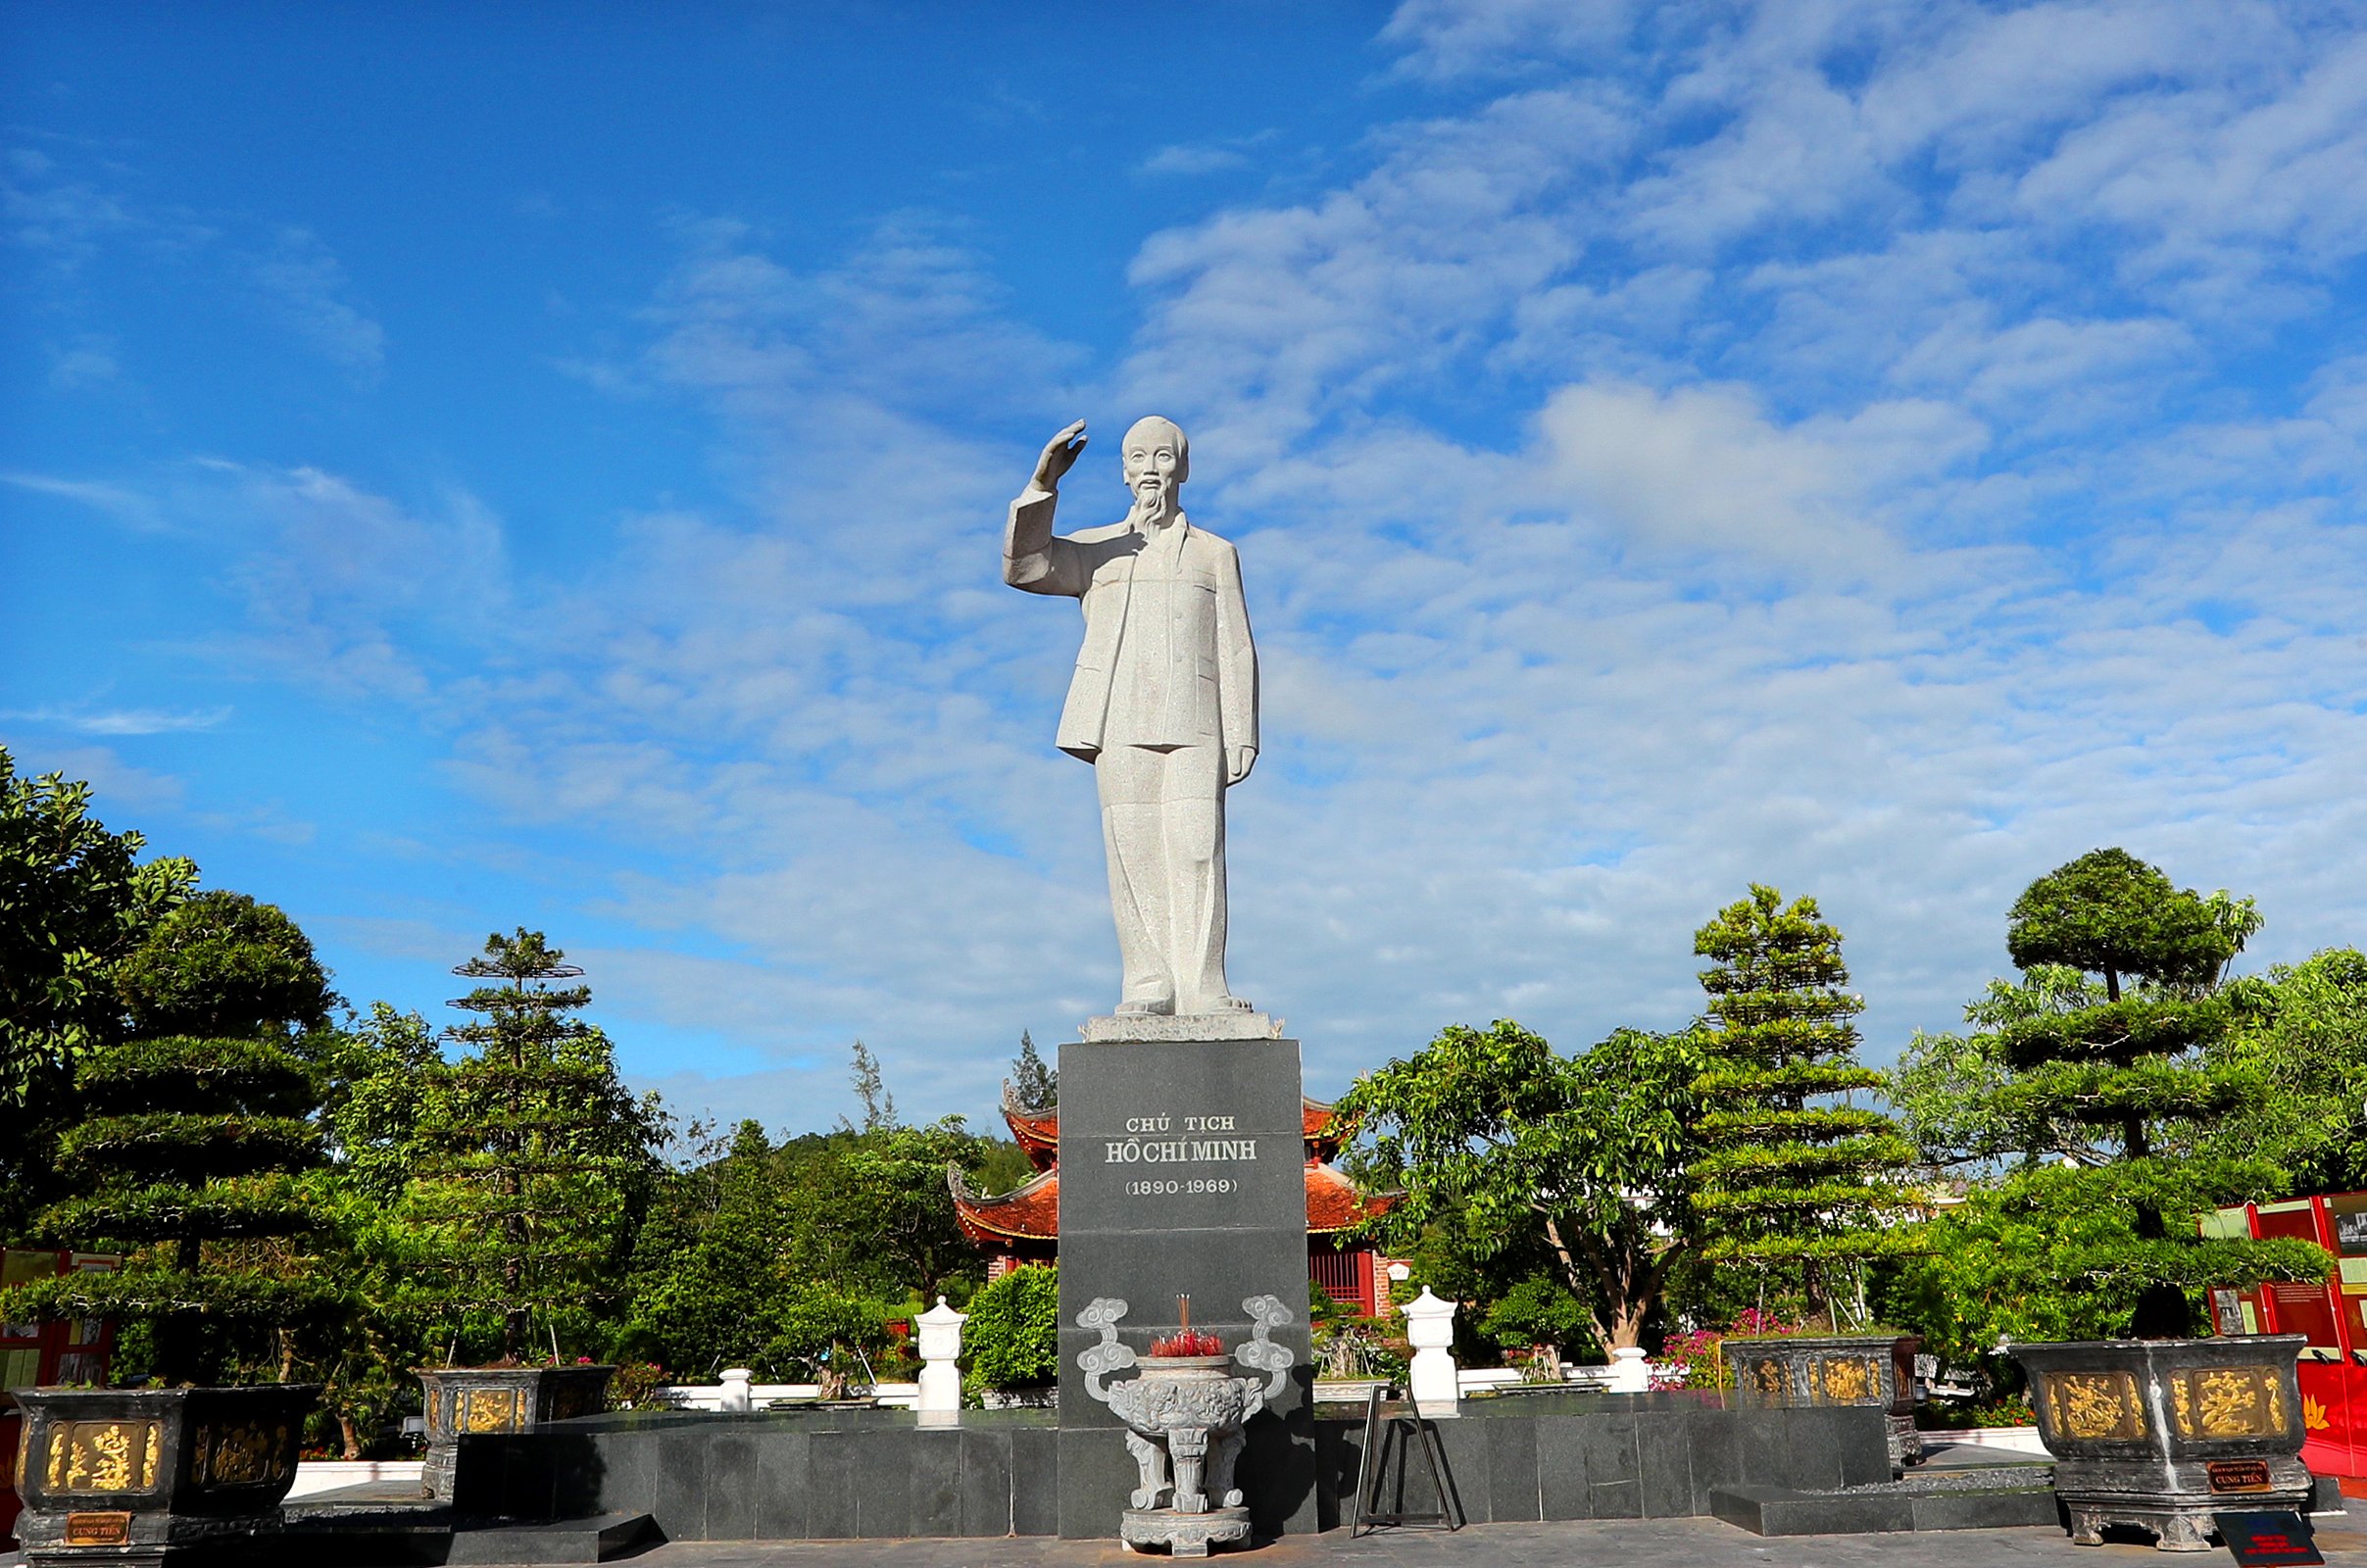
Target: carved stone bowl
(1181,1392)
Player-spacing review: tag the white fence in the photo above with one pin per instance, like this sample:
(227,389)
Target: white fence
(723,1395)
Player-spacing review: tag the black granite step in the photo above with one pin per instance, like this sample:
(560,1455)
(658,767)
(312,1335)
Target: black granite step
(1991,1497)
(602,1538)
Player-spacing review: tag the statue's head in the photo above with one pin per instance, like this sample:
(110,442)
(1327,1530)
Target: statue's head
(1157,459)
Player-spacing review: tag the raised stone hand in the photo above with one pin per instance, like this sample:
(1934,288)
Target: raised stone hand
(1059,457)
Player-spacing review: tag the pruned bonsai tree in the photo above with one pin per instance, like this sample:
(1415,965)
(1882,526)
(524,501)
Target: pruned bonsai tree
(190,1135)
(2124,1079)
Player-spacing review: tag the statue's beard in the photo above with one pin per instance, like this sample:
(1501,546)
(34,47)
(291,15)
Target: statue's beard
(1152,500)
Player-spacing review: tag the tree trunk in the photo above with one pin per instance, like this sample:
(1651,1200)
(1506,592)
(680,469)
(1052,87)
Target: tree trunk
(353,1439)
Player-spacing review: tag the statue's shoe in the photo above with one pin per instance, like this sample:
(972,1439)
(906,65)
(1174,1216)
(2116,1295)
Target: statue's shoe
(1156,1008)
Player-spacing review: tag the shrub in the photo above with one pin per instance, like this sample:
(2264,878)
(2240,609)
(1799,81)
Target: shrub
(1013,1338)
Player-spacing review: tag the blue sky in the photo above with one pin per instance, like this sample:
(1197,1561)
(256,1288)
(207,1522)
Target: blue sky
(463,467)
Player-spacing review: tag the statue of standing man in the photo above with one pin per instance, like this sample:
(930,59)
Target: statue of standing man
(1163,705)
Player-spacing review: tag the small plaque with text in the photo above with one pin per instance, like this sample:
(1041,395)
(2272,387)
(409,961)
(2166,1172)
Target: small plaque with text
(111,1529)
(2237,1475)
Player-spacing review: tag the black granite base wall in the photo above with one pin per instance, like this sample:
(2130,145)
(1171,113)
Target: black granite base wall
(1182,1171)
(840,1475)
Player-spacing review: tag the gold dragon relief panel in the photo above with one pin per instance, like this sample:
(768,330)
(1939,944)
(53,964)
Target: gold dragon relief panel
(1850,1379)
(241,1454)
(2229,1402)
(485,1411)
(102,1455)
(2097,1406)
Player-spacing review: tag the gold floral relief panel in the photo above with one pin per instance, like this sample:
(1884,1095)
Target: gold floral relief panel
(2097,1406)
(102,1455)
(1849,1379)
(2229,1402)
(485,1411)
(240,1454)
(1769,1377)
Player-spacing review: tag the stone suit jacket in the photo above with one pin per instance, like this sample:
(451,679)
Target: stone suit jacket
(1217,704)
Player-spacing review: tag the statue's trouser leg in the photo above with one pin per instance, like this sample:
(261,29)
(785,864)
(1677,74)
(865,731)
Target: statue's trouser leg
(1130,779)
(1193,847)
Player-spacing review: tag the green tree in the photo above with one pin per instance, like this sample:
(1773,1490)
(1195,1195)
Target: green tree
(871,1092)
(187,1151)
(1033,1083)
(714,1285)
(873,1218)
(1496,1135)
(531,1160)
(1794,1185)
(374,1076)
(2131,1072)
(2302,1031)
(74,900)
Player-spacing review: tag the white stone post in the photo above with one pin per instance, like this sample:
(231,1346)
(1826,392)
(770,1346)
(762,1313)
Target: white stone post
(735,1388)
(1631,1373)
(940,1403)
(1430,1327)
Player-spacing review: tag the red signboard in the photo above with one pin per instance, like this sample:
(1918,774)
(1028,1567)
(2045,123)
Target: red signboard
(2332,1316)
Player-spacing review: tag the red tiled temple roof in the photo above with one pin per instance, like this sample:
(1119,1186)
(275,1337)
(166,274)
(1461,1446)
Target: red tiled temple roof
(1028,1214)
(1035,1128)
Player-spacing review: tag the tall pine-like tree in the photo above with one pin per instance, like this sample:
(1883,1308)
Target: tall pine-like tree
(1032,1083)
(533,1159)
(1798,1186)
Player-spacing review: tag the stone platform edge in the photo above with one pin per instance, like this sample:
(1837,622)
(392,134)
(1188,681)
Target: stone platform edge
(1155,1029)
(810,1477)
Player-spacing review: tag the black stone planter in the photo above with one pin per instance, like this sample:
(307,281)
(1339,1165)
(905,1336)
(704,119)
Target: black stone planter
(2161,1434)
(1876,1370)
(463,1400)
(152,1476)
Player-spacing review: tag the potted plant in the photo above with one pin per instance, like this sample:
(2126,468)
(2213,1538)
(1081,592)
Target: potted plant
(1875,1369)
(531,1150)
(1802,1190)
(184,1152)
(2156,1430)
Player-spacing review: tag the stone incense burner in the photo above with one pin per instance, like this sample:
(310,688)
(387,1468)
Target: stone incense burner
(1185,1413)
(1190,1410)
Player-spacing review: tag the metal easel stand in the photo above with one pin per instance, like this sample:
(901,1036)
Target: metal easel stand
(1383,1432)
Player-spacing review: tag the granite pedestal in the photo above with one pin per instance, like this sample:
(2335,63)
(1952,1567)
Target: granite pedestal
(1181,1174)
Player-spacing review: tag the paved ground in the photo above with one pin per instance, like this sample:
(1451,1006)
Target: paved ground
(1656,1544)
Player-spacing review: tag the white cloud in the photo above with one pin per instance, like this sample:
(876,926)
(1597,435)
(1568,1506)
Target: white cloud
(122,720)
(1206,158)
(308,287)
(126,504)
(1446,39)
